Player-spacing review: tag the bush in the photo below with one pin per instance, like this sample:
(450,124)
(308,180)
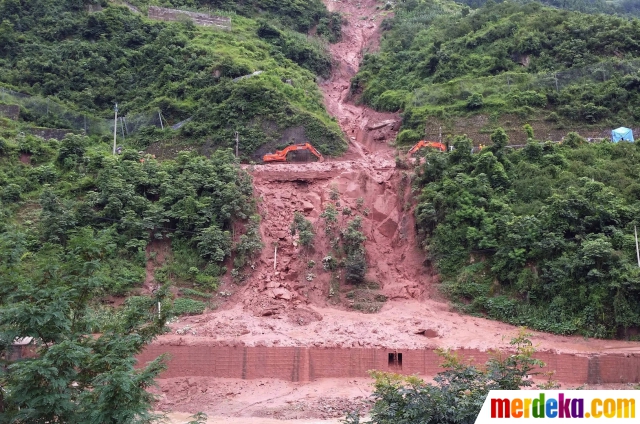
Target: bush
(458,393)
(303,228)
(408,137)
(355,267)
(183,306)
(475,101)
(391,100)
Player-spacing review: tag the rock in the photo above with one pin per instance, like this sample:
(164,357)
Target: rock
(285,195)
(381,124)
(428,332)
(281,293)
(388,227)
(280,234)
(307,206)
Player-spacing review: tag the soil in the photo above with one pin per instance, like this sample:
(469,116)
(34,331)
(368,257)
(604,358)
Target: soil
(25,158)
(266,399)
(288,299)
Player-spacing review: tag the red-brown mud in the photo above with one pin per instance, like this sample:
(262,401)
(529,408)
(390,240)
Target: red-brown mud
(289,304)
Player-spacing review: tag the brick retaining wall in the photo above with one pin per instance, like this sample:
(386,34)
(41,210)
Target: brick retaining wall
(306,364)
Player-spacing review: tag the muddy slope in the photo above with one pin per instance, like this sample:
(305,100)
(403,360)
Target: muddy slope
(289,301)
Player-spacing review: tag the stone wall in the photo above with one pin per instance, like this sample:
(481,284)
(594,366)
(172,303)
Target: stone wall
(49,133)
(300,364)
(480,127)
(10,111)
(203,19)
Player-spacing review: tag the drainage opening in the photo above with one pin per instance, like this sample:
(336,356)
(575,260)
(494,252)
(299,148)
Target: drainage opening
(395,360)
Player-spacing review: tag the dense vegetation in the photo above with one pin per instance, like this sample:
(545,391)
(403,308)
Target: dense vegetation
(437,59)
(587,6)
(75,228)
(77,376)
(542,237)
(301,16)
(78,186)
(92,60)
(458,393)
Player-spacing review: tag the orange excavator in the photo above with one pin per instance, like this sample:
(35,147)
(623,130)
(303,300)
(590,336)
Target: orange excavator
(281,155)
(420,144)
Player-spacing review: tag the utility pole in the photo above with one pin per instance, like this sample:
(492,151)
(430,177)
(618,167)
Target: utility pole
(637,250)
(237,141)
(115,129)
(275,255)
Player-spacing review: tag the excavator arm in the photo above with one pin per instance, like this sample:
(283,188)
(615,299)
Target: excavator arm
(281,155)
(420,144)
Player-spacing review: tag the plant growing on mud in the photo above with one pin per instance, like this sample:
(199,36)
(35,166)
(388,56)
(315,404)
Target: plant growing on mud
(199,418)
(353,243)
(334,194)
(330,216)
(303,228)
(250,243)
(329,263)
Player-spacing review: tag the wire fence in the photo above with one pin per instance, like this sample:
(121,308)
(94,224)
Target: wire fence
(441,94)
(58,115)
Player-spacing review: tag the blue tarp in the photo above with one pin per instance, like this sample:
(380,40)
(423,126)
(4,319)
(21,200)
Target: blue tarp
(621,134)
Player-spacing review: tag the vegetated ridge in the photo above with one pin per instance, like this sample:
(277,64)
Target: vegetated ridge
(440,62)
(91,60)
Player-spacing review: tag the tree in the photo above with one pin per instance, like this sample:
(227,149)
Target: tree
(499,139)
(214,243)
(75,376)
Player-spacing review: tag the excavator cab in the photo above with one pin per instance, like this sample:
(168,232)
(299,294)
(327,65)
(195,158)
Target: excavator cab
(281,155)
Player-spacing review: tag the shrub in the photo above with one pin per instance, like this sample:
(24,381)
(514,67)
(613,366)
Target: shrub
(408,137)
(475,101)
(183,306)
(304,228)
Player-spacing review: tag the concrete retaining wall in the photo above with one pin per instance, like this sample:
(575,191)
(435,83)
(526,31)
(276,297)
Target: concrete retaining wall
(203,19)
(306,364)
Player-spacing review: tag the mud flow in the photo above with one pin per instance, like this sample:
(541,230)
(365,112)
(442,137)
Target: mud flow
(289,301)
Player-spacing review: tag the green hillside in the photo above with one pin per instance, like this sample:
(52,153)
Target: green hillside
(630,7)
(567,68)
(89,61)
(540,237)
